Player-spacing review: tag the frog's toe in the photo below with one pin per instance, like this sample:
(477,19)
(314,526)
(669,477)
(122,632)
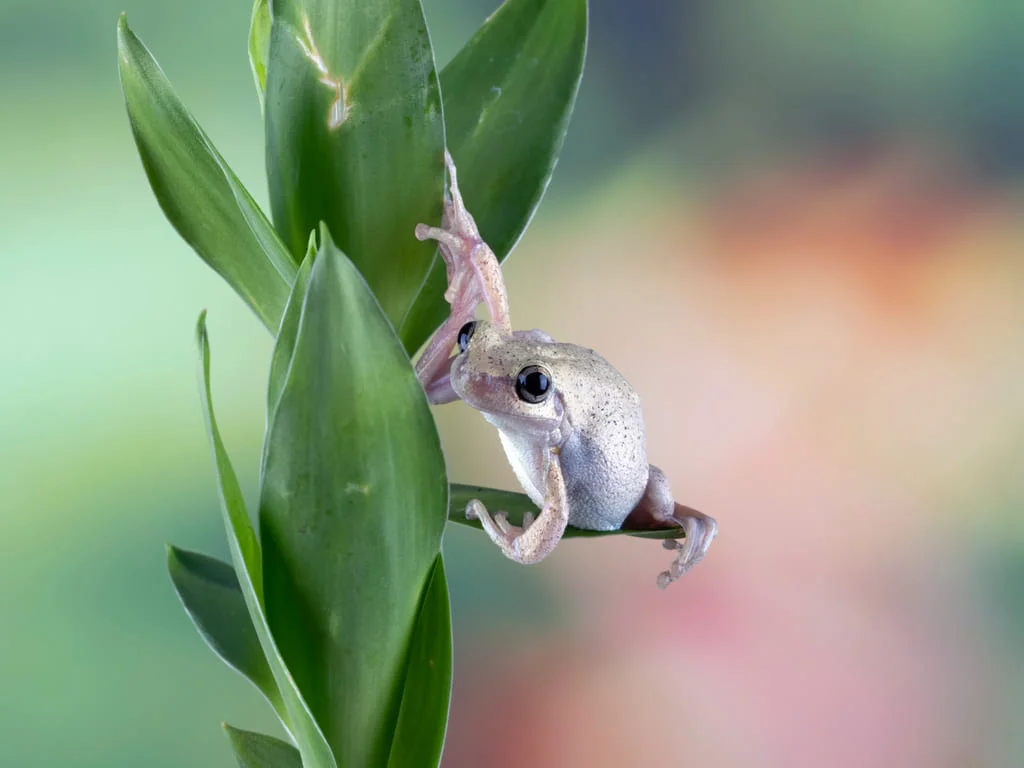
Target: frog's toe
(675,569)
(700,532)
(501,520)
(497,526)
(664,579)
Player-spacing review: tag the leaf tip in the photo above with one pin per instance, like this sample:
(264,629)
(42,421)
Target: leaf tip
(324,235)
(173,554)
(201,328)
(123,33)
(203,347)
(314,240)
(235,735)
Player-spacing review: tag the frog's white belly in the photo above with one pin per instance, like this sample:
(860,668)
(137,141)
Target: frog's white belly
(599,497)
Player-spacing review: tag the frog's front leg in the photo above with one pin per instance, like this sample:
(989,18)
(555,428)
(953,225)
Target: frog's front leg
(657,509)
(474,277)
(537,538)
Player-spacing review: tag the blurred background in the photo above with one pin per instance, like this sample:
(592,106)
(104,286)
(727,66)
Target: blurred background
(795,226)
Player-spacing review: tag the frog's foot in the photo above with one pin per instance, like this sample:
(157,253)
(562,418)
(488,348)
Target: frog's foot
(474,275)
(657,510)
(531,543)
(700,532)
(458,227)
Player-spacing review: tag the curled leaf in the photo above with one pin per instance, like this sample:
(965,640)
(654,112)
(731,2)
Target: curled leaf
(213,599)
(245,555)
(200,195)
(259,45)
(419,735)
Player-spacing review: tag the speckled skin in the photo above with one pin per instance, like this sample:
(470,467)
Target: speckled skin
(592,418)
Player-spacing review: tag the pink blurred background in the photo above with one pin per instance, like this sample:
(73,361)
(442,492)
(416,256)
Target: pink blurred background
(796,227)
(830,360)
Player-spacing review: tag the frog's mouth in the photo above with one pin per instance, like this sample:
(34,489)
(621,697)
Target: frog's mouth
(481,391)
(469,387)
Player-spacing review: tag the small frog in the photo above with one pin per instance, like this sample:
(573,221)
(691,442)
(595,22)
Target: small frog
(570,424)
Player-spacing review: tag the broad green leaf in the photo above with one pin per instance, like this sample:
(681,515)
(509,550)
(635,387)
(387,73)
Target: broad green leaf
(508,95)
(355,136)
(198,192)
(352,508)
(259,45)
(213,599)
(245,554)
(257,750)
(515,504)
(423,717)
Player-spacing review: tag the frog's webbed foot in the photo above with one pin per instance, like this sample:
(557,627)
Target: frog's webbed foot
(700,532)
(537,538)
(528,544)
(474,277)
(657,509)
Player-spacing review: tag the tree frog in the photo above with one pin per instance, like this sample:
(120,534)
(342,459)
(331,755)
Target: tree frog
(570,424)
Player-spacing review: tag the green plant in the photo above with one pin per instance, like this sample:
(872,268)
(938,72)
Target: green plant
(338,609)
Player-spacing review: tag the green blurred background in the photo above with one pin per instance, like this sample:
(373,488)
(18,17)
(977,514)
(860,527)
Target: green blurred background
(795,226)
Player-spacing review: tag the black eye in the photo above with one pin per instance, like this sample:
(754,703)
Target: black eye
(533,384)
(465,334)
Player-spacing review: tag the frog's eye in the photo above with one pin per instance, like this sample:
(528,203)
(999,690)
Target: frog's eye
(533,384)
(465,334)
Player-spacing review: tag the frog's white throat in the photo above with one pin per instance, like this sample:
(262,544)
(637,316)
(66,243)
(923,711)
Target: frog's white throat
(529,463)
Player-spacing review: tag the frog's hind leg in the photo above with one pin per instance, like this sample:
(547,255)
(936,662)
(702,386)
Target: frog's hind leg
(657,509)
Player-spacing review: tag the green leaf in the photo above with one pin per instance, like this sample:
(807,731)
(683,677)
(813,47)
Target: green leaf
(213,599)
(355,136)
(515,504)
(245,554)
(285,344)
(508,96)
(423,717)
(257,750)
(352,508)
(198,192)
(259,45)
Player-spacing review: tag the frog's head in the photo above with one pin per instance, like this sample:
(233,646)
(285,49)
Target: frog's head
(509,378)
